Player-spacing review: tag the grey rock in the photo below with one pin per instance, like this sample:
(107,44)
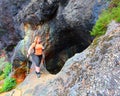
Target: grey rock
(78,79)
(83,74)
(65,26)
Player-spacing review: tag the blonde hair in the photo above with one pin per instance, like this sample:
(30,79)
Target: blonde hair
(36,38)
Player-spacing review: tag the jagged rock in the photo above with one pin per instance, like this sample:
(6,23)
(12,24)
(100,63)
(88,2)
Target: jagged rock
(9,35)
(65,26)
(54,12)
(93,72)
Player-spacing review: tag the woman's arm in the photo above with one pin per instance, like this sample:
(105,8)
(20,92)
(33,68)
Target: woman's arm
(30,49)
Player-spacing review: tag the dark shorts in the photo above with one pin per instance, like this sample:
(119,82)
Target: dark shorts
(36,59)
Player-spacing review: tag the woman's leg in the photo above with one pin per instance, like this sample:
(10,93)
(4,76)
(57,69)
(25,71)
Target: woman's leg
(37,69)
(36,61)
(40,60)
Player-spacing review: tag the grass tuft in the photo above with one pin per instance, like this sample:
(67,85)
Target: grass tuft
(9,83)
(112,13)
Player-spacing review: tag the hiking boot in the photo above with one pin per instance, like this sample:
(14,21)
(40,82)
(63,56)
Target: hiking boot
(38,74)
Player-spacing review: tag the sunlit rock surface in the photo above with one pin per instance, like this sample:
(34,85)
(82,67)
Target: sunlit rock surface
(93,72)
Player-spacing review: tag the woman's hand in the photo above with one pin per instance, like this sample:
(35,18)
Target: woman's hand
(29,51)
(28,55)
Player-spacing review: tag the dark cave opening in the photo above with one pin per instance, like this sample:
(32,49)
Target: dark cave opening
(70,42)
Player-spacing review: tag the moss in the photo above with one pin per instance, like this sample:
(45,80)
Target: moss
(5,71)
(2,76)
(9,83)
(1,72)
(112,13)
(5,68)
(114,3)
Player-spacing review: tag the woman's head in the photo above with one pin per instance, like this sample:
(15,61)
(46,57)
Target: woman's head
(37,39)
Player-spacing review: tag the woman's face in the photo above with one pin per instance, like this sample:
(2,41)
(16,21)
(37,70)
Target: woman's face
(39,40)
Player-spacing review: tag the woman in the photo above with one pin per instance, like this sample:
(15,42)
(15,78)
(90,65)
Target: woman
(37,56)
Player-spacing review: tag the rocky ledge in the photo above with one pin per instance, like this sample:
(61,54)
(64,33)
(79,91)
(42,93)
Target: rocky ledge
(93,72)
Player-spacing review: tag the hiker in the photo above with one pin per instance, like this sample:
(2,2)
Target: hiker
(37,55)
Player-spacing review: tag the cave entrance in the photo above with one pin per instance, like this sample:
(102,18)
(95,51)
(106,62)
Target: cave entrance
(69,44)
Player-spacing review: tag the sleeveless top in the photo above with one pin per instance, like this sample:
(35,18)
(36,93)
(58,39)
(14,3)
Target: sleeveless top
(38,48)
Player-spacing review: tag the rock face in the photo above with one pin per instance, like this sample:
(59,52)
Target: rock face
(65,27)
(9,35)
(93,72)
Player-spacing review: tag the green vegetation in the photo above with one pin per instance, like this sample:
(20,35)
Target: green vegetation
(5,71)
(1,72)
(2,76)
(112,13)
(9,83)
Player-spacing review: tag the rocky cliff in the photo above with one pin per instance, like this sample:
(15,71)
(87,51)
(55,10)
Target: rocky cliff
(63,25)
(93,72)
(9,34)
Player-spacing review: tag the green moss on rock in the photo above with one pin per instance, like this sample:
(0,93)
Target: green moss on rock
(112,13)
